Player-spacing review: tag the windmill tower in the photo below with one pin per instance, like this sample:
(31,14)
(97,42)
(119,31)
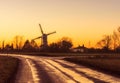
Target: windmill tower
(44,41)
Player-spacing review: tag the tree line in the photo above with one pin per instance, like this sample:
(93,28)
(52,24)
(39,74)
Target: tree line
(109,43)
(20,45)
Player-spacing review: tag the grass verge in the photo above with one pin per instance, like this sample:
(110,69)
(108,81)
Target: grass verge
(107,65)
(8,66)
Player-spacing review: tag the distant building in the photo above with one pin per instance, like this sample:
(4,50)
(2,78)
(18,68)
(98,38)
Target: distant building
(80,49)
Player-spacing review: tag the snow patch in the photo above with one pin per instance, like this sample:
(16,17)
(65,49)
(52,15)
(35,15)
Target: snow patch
(34,71)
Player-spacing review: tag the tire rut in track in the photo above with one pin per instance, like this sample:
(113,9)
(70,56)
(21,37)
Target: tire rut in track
(81,73)
(77,78)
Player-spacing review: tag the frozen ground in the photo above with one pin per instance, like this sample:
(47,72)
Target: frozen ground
(35,69)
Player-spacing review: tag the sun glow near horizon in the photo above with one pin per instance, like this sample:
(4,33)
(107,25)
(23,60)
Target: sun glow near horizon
(83,21)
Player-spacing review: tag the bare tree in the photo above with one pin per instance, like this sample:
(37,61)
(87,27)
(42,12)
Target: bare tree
(18,42)
(3,44)
(116,38)
(105,43)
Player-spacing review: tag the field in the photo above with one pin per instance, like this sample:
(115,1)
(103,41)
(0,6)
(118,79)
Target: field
(8,66)
(106,63)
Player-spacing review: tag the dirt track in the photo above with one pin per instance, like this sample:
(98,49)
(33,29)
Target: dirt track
(34,69)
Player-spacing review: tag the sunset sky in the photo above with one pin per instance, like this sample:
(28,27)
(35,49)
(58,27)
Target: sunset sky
(81,20)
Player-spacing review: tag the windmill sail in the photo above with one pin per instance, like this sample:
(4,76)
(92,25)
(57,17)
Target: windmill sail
(41,29)
(44,42)
(37,38)
(51,33)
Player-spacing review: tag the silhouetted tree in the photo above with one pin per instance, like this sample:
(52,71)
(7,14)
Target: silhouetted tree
(3,45)
(54,47)
(116,39)
(18,42)
(34,45)
(27,46)
(105,43)
(8,47)
(63,45)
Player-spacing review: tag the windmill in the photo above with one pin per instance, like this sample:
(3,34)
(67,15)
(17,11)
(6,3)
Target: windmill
(44,42)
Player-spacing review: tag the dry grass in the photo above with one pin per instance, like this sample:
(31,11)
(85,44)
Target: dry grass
(8,66)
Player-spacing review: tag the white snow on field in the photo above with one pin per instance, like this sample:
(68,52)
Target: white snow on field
(93,73)
(63,77)
(34,71)
(77,77)
(64,73)
(98,75)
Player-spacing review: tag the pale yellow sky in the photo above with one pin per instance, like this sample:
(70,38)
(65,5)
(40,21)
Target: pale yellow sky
(81,20)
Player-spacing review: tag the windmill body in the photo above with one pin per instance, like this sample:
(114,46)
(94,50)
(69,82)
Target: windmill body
(44,41)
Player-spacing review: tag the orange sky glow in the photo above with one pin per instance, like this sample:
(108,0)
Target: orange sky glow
(83,21)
